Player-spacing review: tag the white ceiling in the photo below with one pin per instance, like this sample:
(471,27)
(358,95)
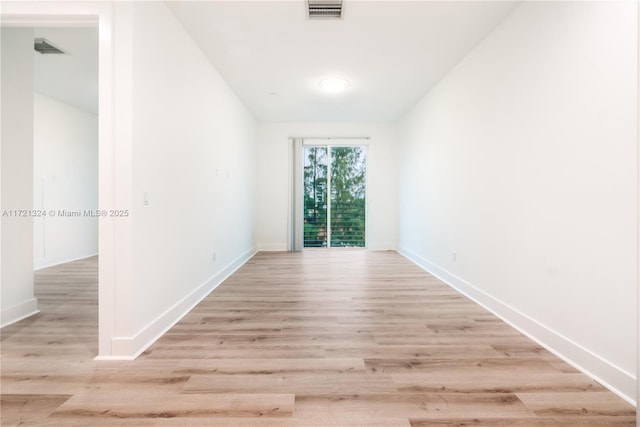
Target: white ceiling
(273,56)
(71,78)
(391,52)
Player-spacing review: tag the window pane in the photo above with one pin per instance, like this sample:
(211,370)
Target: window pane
(348,190)
(315,196)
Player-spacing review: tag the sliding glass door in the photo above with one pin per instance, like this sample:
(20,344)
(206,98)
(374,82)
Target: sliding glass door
(334,196)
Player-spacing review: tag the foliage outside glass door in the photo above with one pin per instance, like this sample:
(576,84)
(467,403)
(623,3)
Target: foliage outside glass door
(334,196)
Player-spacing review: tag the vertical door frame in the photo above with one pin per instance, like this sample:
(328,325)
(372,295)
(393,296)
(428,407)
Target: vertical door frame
(70,14)
(638,214)
(346,142)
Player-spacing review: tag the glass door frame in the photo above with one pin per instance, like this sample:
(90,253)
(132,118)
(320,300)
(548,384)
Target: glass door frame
(330,143)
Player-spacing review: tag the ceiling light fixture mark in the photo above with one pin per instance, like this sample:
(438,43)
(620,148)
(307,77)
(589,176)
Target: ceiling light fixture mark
(333,85)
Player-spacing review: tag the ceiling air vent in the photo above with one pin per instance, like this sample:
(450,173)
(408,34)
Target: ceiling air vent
(45,46)
(325,9)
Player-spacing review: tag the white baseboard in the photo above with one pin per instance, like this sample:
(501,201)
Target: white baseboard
(382,247)
(615,379)
(272,247)
(129,348)
(282,247)
(41,263)
(18,312)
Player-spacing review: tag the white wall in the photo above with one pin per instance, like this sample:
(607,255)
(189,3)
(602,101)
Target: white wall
(272,179)
(16,288)
(193,155)
(65,178)
(522,161)
(638,213)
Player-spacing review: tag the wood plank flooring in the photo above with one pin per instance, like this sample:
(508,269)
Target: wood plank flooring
(313,339)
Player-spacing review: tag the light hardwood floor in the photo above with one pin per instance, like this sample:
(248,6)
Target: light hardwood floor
(320,338)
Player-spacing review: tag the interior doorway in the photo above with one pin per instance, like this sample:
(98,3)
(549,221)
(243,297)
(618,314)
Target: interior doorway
(83,14)
(65,144)
(65,180)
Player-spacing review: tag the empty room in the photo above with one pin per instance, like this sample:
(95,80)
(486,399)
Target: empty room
(319,213)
